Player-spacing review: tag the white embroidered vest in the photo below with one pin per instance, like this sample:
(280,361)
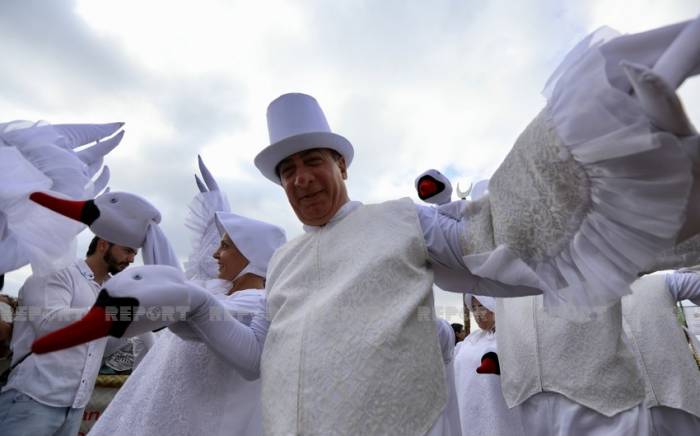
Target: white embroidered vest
(587,362)
(671,376)
(352,347)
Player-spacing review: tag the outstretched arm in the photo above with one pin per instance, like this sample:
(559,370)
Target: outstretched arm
(443,228)
(235,332)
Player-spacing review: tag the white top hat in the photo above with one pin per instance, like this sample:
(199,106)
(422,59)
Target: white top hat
(256,240)
(296,123)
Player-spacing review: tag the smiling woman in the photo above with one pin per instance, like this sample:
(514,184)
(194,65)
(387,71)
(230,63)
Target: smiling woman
(181,376)
(231,261)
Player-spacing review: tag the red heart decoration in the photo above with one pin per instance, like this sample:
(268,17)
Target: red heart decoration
(489,364)
(427,188)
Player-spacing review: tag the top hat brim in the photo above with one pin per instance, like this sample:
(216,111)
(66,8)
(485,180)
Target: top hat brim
(267,160)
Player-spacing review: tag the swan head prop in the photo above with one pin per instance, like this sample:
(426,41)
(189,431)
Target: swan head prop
(118,217)
(135,301)
(433,187)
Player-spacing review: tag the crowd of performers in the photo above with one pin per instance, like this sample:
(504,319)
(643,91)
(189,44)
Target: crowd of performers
(334,331)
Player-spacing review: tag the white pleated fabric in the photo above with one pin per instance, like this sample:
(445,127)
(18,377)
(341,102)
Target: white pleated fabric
(638,182)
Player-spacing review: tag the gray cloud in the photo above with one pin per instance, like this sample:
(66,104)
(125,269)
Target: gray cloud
(52,57)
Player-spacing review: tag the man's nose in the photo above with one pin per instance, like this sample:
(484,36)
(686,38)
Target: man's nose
(302,178)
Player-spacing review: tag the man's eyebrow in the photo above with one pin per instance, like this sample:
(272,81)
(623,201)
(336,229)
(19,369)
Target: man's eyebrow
(302,154)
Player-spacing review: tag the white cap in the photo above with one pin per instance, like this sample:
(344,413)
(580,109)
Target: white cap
(256,240)
(296,123)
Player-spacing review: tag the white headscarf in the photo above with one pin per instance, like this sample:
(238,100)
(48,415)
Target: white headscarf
(487,302)
(256,240)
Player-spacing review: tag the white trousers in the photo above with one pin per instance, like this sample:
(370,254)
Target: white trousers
(551,414)
(666,421)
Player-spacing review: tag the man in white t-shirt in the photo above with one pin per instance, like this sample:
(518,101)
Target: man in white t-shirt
(46,394)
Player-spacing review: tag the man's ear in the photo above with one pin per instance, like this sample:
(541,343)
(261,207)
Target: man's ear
(102,246)
(343,167)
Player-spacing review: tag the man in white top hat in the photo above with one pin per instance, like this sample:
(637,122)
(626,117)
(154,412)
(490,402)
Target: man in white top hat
(354,343)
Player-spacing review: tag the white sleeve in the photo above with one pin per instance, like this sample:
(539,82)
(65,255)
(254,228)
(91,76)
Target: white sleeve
(239,342)
(442,232)
(443,228)
(684,286)
(47,300)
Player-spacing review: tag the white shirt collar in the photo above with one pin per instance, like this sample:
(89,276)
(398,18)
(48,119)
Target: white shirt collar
(342,213)
(84,269)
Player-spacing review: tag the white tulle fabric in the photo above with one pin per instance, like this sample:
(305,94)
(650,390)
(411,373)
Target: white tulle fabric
(182,388)
(482,408)
(206,237)
(638,182)
(38,157)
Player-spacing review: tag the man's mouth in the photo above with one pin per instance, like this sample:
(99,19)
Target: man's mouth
(310,196)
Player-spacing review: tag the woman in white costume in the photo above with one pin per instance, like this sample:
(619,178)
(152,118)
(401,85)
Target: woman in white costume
(43,157)
(182,387)
(482,409)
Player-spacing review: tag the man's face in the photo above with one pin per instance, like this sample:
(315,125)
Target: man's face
(118,258)
(314,181)
(231,261)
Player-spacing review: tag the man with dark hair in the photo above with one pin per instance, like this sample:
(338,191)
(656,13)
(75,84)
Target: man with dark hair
(460,333)
(46,394)
(115,262)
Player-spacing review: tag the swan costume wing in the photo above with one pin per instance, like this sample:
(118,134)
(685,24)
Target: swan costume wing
(200,265)
(61,159)
(594,188)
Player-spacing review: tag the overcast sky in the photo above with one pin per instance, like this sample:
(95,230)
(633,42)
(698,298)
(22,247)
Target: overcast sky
(412,84)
